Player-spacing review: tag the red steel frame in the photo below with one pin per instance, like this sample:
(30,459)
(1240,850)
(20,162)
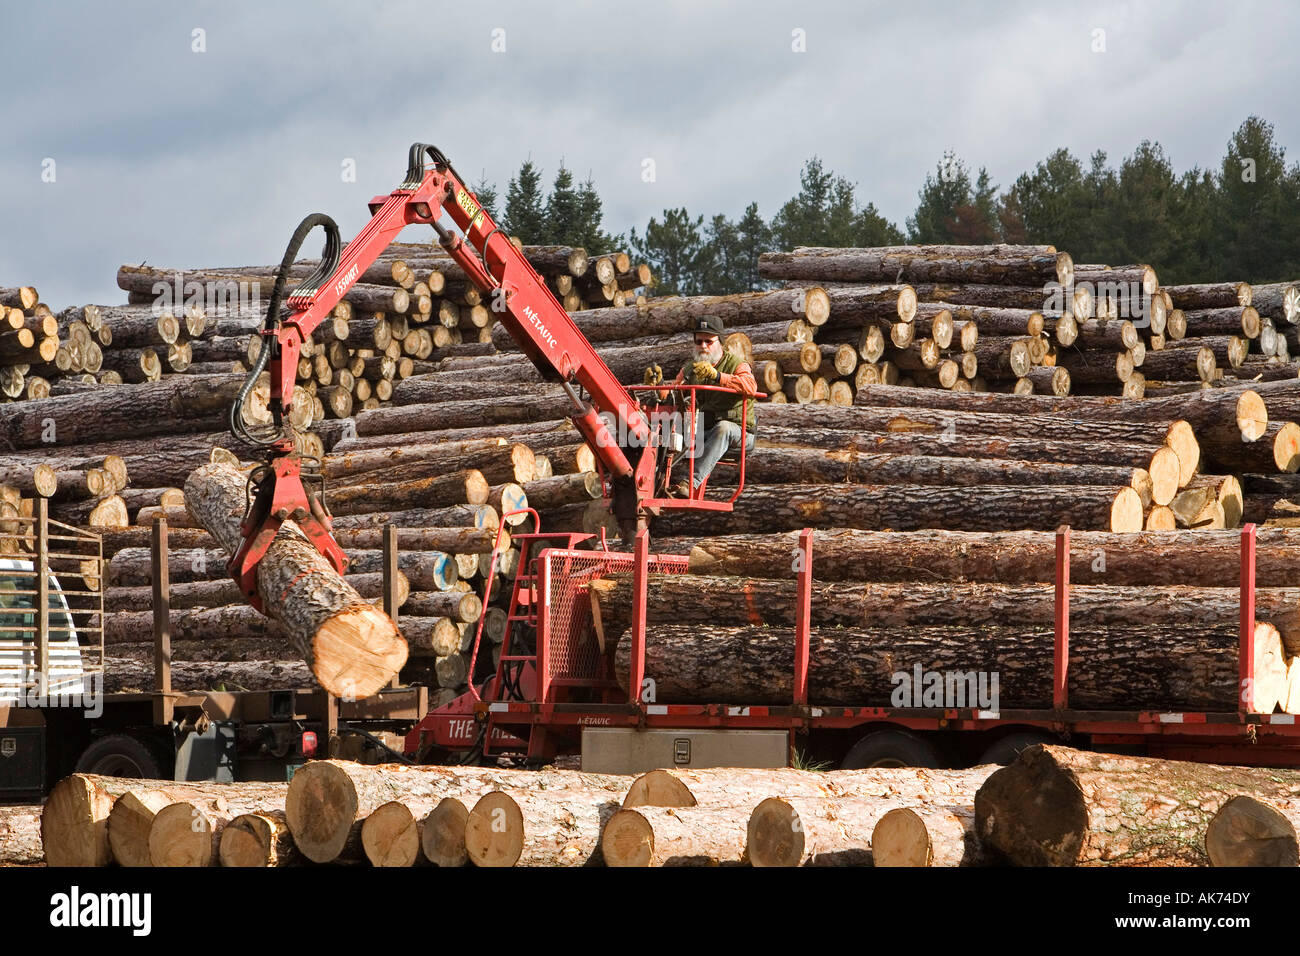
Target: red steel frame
(1240,737)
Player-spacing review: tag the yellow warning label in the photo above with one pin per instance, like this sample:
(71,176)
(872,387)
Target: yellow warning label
(467,203)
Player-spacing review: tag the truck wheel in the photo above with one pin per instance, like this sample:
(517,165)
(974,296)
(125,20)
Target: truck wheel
(1006,749)
(118,755)
(891,748)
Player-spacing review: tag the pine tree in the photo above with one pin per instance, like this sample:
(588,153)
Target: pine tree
(721,264)
(590,235)
(942,196)
(525,215)
(1256,208)
(563,213)
(753,238)
(674,250)
(825,213)
(487,195)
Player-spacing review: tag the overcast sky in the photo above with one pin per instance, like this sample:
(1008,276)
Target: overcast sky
(183,158)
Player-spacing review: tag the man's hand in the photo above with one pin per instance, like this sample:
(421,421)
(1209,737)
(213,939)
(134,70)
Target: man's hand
(704,372)
(654,375)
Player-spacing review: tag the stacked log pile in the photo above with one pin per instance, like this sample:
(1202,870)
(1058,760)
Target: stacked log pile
(1154,617)
(1051,806)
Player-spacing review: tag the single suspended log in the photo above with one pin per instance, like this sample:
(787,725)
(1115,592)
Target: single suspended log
(352,647)
(1186,667)
(1059,807)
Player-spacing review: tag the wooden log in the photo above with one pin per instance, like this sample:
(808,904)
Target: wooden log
(1211,295)
(329,799)
(258,840)
(187,831)
(467,486)
(351,646)
(1278,300)
(538,828)
(74,820)
(926,836)
(856,666)
(20,836)
(1059,807)
(1248,832)
(973,508)
(670,836)
(919,265)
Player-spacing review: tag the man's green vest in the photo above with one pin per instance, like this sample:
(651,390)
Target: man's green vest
(716,405)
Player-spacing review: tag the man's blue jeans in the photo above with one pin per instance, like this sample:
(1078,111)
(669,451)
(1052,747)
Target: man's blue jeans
(718,442)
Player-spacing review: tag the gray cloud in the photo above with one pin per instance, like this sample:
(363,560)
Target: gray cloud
(186,159)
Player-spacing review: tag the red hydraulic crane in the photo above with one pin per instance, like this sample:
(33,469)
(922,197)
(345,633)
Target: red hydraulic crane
(629,455)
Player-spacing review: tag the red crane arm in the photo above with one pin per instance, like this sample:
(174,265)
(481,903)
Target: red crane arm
(525,306)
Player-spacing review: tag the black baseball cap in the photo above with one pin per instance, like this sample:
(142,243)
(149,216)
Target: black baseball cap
(711,324)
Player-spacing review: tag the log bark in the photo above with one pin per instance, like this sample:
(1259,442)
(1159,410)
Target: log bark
(74,820)
(973,508)
(352,647)
(182,404)
(905,265)
(329,799)
(1191,666)
(1061,807)
(1017,557)
(673,836)
(20,836)
(1248,832)
(258,840)
(539,827)
(436,491)
(187,831)
(927,836)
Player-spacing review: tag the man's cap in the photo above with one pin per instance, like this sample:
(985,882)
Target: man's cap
(711,324)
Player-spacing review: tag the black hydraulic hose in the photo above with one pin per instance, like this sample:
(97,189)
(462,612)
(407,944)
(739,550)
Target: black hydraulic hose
(329,264)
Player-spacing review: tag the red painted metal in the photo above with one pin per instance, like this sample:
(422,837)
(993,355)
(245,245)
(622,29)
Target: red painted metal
(640,580)
(532,315)
(1061,643)
(803,617)
(1246,653)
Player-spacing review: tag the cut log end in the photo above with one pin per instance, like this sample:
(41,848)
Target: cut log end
(658,788)
(494,831)
(320,809)
(390,836)
(628,840)
(181,835)
(901,838)
(248,841)
(776,834)
(357,652)
(1248,832)
(443,836)
(1126,511)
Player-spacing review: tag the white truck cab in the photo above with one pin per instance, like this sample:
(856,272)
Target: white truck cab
(19,648)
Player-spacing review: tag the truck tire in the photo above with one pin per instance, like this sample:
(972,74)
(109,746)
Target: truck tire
(118,755)
(1006,749)
(891,748)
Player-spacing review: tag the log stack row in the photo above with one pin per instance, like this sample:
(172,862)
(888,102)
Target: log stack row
(1051,807)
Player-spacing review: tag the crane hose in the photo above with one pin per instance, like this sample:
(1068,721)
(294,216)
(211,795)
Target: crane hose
(266,435)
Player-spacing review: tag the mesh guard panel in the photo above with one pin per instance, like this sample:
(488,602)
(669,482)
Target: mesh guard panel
(565,614)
